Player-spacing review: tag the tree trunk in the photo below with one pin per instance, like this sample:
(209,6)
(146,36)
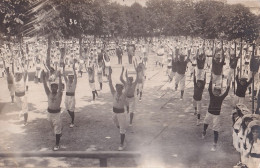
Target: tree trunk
(241,57)
(48,58)
(80,47)
(253,84)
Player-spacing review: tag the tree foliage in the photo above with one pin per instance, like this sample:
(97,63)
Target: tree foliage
(66,18)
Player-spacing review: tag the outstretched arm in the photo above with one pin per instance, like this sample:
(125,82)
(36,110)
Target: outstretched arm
(210,87)
(46,88)
(60,83)
(25,74)
(205,78)
(75,75)
(121,76)
(136,79)
(135,66)
(4,63)
(64,75)
(112,89)
(194,77)
(228,87)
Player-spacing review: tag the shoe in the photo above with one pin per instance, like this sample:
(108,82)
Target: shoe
(140,99)
(24,124)
(56,148)
(122,147)
(198,122)
(214,148)
(181,98)
(71,125)
(130,125)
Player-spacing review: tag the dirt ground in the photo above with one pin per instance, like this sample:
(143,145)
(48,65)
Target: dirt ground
(166,137)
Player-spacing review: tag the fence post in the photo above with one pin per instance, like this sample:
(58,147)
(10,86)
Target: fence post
(102,162)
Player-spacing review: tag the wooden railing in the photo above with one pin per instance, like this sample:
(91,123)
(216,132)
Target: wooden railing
(101,155)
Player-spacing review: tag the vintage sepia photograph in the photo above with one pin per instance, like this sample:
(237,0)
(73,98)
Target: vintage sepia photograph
(130,83)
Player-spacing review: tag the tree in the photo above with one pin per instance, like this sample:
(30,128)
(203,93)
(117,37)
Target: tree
(117,18)
(136,20)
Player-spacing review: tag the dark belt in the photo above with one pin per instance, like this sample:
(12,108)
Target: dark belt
(255,155)
(70,94)
(194,64)
(246,63)
(53,111)
(130,96)
(20,94)
(117,110)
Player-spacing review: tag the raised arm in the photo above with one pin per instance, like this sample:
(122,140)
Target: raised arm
(4,63)
(227,90)
(25,74)
(136,79)
(210,87)
(64,75)
(112,89)
(75,75)
(60,83)
(46,88)
(126,74)
(250,81)
(205,75)
(194,77)
(135,66)
(121,76)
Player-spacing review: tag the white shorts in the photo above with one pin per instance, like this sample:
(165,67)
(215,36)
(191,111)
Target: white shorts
(180,78)
(92,86)
(70,103)
(120,121)
(140,86)
(55,120)
(215,119)
(22,103)
(38,74)
(198,105)
(131,104)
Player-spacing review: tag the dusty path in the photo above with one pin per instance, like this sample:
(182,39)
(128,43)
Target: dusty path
(166,136)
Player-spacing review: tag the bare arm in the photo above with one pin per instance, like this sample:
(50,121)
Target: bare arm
(135,66)
(121,76)
(60,83)
(136,79)
(75,75)
(25,75)
(64,74)
(4,62)
(112,89)
(46,88)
